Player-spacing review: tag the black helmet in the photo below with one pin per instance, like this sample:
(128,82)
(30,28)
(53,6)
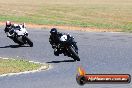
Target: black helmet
(53,31)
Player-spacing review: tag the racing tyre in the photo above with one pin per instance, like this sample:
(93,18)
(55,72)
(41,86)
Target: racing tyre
(74,54)
(29,41)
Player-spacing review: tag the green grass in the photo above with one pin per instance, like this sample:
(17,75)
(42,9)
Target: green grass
(15,66)
(108,14)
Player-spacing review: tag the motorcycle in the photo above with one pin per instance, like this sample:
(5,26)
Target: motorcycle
(20,38)
(67,48)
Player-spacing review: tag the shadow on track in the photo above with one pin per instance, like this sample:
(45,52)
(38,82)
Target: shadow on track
(61,61)
(13,46)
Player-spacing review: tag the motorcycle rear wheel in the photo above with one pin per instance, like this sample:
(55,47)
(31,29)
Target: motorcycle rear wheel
(29,41)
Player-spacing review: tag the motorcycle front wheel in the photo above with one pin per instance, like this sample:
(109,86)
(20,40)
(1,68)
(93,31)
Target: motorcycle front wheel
(74,54)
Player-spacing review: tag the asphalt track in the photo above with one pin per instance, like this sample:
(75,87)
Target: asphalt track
(99,53)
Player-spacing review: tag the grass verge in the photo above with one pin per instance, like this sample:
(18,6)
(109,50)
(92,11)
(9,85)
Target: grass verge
(16,66)
(100,14)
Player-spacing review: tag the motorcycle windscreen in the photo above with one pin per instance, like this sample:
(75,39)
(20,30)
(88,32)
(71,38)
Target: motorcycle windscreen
(63,38)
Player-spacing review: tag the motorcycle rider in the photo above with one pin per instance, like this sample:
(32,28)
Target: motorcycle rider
(10,27)
(7,29)
(10,30)
(55,40)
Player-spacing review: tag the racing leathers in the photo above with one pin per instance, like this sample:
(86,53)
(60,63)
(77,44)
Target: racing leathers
(13,31)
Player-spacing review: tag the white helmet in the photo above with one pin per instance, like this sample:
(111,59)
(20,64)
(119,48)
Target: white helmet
(8,23)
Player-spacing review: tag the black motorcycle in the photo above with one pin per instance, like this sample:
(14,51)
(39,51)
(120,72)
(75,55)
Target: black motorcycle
(67,47)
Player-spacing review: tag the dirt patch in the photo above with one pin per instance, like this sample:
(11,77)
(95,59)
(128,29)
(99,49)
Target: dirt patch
(68,28)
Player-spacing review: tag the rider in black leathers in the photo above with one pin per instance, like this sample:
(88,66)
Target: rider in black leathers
(55,40)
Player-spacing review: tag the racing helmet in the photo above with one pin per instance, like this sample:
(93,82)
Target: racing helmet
(53,31)
(8,23)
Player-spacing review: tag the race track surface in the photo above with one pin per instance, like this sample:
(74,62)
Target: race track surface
(99,53)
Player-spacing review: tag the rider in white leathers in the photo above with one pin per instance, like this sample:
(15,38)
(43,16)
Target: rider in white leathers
(14,30)
(10,29)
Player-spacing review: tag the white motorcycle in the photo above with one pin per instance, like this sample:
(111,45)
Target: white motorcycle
(19,35)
